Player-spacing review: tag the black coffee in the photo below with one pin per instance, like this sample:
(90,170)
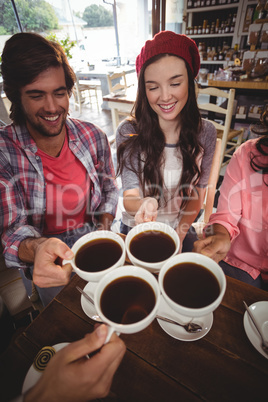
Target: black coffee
(152,246)
(127,300)
(97,255)
(191,285)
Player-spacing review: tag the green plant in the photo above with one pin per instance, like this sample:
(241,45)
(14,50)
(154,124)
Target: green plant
(66,43)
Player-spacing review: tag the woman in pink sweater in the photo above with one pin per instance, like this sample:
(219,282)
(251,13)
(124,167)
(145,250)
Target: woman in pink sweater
(237,234)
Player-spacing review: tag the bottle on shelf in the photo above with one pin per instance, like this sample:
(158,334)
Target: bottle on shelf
(189,4)
(215,55)
(226,27)
(212,28)
(205,22)
(260,10)
(220,54)
(209,55)
(236,52)
(266,9)
(225,48)
(217,25)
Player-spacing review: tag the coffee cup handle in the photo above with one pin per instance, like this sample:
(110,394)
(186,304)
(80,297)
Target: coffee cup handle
(111,330)
(64,262)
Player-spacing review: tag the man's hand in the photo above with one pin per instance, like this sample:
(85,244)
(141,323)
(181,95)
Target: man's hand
(70,376)
(44,253)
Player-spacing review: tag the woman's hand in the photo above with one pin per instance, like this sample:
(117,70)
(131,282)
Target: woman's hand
(147,211)
(215,246)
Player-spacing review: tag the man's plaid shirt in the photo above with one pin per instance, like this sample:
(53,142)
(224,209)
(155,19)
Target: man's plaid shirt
(22,184)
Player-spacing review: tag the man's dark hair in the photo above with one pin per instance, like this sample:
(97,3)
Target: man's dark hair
(24,57)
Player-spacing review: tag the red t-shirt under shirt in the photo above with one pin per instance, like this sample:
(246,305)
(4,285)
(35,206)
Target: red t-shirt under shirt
(67,191)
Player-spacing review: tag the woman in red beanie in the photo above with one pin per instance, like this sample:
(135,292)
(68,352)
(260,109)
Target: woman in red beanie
(165,149)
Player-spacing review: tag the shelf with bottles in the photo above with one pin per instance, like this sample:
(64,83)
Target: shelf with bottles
(209,7)
(203,24)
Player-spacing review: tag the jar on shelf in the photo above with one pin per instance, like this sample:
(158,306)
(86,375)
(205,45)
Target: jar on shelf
(207,29)
(249,61)
(261,64)
(264,33)
(195,30)
(253,34)
(199,30)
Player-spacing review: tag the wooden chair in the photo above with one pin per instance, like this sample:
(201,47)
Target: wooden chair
(210,191)
(231,139)
(85,90)
(117,82)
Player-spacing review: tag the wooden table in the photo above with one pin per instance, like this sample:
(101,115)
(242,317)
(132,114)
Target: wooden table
(222,366)
(122,101)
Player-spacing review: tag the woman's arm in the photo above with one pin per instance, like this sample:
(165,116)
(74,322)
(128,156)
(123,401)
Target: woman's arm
(144,209)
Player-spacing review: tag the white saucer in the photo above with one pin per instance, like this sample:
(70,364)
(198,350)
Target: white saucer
(87,307)
(260,311)
(33,375)
(179,332)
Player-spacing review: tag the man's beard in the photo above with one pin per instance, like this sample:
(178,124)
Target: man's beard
(42,130)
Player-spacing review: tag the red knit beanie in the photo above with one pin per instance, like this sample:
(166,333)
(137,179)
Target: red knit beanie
(172,43)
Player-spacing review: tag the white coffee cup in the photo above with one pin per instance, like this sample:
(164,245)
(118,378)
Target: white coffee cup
(123,273)
(153,267)
(99,234)
(198,259)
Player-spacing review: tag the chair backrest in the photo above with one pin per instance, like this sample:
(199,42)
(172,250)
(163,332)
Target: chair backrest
(212,181)
(218,96)
(117,81)
(77,95)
